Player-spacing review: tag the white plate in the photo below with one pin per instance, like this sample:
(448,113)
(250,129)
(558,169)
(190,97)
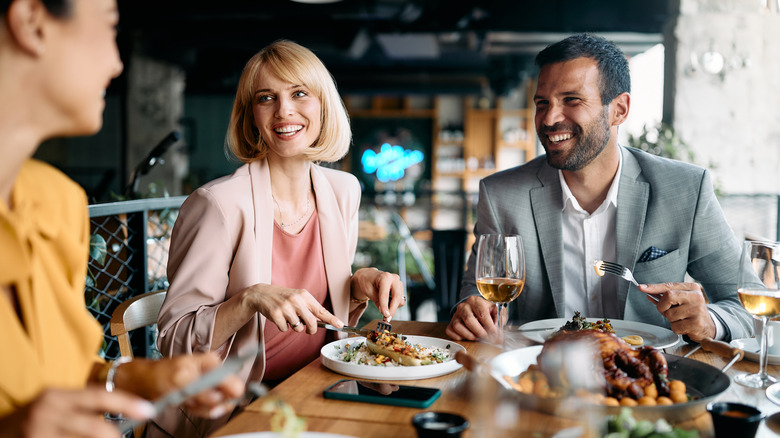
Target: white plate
(773,394)
(750,347)
(330,353)
(279,435)
(653,335)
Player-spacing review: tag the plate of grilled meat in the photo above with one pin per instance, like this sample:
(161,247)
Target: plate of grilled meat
(598,370)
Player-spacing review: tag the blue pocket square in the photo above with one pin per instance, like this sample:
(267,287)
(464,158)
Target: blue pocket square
(651,254)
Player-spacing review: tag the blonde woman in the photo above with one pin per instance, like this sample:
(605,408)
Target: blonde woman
(259,256)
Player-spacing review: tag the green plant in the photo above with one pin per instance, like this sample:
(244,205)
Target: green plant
(156,190)
(662,140)
(383,255)
(97,252)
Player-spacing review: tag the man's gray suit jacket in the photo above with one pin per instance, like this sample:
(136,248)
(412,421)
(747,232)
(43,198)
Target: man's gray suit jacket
(663,203)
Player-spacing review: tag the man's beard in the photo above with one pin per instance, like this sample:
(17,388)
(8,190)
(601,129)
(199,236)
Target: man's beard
(590,143)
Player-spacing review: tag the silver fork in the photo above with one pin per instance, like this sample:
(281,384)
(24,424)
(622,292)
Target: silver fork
(620,271)
(382,326)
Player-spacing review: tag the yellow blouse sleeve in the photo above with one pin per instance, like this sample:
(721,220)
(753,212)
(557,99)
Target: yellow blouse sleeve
(53,339)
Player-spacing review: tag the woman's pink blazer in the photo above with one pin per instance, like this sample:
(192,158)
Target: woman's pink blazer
(221,244)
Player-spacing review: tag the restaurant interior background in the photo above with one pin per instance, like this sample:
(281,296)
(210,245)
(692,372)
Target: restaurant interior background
(446,86)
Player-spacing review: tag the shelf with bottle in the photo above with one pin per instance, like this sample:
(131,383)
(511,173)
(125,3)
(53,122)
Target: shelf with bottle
(447,148)
(515,141)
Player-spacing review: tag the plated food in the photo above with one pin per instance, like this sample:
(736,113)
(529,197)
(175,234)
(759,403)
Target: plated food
(352,357)
(617,375)
(394,348)
(578,322)
(652,335)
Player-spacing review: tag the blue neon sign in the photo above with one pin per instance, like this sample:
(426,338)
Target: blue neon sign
(391,161)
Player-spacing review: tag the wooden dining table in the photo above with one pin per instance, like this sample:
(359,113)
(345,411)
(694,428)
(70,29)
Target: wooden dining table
(491,410)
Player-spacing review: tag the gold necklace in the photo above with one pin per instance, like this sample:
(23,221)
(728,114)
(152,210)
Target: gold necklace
(305,213)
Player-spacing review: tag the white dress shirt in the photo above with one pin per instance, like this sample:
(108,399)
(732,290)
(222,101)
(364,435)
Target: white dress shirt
(589,237)
(586,238)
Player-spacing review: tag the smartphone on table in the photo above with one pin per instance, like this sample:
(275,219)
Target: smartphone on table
(382,393)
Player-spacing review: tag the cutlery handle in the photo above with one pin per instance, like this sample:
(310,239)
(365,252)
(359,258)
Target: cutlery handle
(721,348)
(347,329)
(468,361)
(538,329)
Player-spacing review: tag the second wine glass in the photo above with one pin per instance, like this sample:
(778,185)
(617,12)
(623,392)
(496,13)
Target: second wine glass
(758,286)
(500,271)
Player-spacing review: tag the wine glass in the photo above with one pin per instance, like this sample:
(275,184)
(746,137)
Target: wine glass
(500,271)
(758,286)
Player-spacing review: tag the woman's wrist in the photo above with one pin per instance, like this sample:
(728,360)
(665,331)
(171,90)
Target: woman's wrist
(356,300)
(359,298)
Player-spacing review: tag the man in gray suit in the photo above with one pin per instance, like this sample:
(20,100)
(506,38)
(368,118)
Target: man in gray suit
(591,199)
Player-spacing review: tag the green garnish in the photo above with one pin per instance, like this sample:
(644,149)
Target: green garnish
(624,425)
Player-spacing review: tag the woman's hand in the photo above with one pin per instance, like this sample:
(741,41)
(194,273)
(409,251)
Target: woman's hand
(152,379)
(283,306)
(68,413)
(383,288)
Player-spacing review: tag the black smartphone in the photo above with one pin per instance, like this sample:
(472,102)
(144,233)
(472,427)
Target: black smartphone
(382,393)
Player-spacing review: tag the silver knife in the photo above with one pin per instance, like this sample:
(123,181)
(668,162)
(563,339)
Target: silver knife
(355,330)
(207,381)
(527,330)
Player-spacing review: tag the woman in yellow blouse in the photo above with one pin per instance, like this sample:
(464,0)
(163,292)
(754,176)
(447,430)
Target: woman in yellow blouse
(56,59)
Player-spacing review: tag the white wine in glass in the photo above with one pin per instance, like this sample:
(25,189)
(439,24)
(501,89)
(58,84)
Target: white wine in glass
(758,287)
(500,271)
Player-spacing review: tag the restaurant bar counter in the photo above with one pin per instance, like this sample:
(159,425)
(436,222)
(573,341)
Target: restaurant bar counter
(491,410)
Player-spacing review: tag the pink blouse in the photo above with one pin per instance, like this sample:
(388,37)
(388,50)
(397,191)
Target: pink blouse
(297,263)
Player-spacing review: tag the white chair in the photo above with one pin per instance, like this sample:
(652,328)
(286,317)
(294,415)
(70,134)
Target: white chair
(137,312)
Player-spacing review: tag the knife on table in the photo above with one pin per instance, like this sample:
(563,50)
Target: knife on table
(209,380)
(720,348)
(529,330)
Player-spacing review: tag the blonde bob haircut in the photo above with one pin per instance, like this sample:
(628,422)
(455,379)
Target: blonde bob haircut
(296,64)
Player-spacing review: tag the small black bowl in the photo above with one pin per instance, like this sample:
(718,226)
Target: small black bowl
(734,419)
(439,425)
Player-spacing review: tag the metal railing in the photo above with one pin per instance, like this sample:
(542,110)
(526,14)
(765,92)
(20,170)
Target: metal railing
(128,257)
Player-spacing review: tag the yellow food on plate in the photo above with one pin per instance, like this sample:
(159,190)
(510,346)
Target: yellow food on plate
(633,340)
(399,357)
(395,347)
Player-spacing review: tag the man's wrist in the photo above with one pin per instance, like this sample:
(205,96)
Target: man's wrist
(720,330)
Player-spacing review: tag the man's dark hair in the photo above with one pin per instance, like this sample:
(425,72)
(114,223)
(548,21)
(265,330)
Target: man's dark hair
(58,8)
(612,64)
